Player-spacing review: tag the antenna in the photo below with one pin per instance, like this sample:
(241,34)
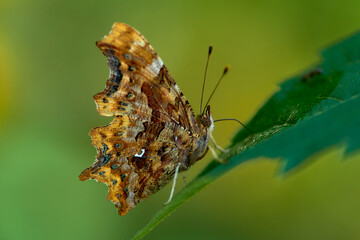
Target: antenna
(206,67)
(226,69)
(234,119)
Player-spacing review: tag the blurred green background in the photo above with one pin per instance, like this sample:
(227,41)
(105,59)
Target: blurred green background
(50,68)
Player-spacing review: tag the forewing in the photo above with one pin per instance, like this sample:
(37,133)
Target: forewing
(139,84)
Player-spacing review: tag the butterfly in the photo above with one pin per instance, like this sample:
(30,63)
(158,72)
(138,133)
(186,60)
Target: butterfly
(154,133)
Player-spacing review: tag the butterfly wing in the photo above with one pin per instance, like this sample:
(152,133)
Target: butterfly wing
(138,151)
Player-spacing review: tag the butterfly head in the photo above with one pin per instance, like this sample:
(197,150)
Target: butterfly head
(206,119)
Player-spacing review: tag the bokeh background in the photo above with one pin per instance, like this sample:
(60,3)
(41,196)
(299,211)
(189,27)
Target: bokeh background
(50,68)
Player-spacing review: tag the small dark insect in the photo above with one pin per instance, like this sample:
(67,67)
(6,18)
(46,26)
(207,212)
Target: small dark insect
(308,76)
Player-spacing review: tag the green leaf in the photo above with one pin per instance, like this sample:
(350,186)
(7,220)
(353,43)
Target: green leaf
(309,113)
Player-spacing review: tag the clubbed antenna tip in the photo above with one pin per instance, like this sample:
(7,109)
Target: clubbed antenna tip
(226,69)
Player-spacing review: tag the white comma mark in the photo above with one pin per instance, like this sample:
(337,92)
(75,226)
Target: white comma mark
(141,154)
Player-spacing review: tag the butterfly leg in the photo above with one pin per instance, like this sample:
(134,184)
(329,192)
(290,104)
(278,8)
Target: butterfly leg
(215,155)
(174,184)
(216,145)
